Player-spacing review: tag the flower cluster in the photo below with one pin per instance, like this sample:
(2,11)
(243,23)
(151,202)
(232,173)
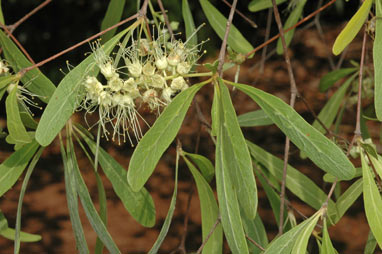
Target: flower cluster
(152,73)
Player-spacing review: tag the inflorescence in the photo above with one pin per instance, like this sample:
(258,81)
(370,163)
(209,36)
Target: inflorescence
(153,71)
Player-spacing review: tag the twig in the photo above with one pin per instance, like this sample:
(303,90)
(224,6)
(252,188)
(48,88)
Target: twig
(209,235)
(253,24)
(294,94)
(254,243)
(166,19)
(290,28)
(13,27)
(4,27)
(78,44)
(267,33)
(224,44)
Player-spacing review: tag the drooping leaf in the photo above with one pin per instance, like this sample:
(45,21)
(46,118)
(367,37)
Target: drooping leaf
(205,165)
(371,244)
(154,143)
(236,155)
(294,16)
(72,201)
(329,79)
(14,165)
(348,198)
(254,118)
(327,246)
(139,204)
(113,16)
(227,196)
(352,28)
(65,98)
(15,126)
(285,242)
(372,201)
(322,151)
(303,236)
(377,60)
(259,5)
(218,22)
(37,82)
(189,24)
(90,210)
(167,222)
(9,233)
(209,211)
(296,182)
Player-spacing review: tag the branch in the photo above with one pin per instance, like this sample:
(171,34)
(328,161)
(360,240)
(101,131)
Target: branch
(224,44)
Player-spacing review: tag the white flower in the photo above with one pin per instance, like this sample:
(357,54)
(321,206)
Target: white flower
(115,84)
(173,59)
(161,63)
(183,68)
(157,81)
(3,67)
(179,84)
(108,70)
(167,94)
(148,69)
(135,69)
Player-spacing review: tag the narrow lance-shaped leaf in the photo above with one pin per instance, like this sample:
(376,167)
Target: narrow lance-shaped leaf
(259,5)
(209,211)
(65,98)
(189,24)
(139,204)
(329,79)
(15,126)
(377,59)
(294,16)
(9,233)
(218,22)
(113,16)
(205,165)
(302,238)
(322,151)
(167,222)
(14,165)
(371,244)
(372,200)
(87,204)
(153,144)
(228,201)
(37,82)
(254,118)
(347,199)
(352,28)
(327,246)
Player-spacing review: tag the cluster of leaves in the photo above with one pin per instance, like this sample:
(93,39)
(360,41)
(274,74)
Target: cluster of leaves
(237,161)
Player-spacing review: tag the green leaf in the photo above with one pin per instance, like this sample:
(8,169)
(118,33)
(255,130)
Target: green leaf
(72,201)
(205,165)
(371,244)
(218,22)
(256,231)
(329,79)
(15,126)
(302,238)
(372,201)
(352,28)
(14,165)
(9,233)
(327,246)
(1,15)
(154,143)
(296,182)
(26,118)
(3,222)
(65,98)
(6,80)
(377,60)
(227,195)
(285,242)
(294,16)
(347,199)
(254,118)
(329,111)
(113,16)
(88,206)
(189,24)
(259,5)
(36,82)
(322,151)
(166,225)
(139,204)
(214,114)
(236,155)
(209,211)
